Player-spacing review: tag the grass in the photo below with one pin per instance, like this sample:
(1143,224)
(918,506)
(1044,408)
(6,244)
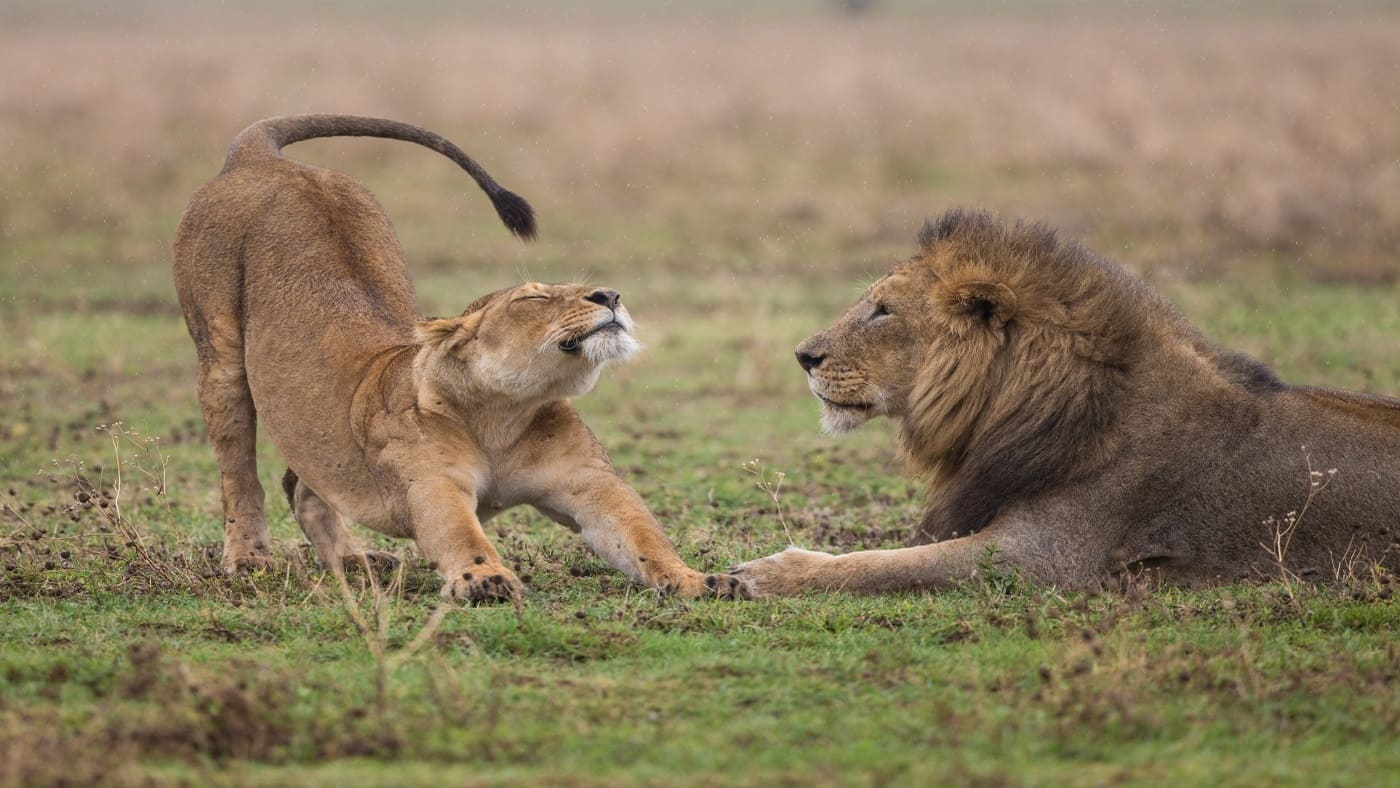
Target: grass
(739,190)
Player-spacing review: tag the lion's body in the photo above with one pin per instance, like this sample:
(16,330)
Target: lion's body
(1070,418)
(1204,500)
(297,296)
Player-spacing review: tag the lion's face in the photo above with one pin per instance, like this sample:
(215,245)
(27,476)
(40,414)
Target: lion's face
(535,341)
(918,341)
(863,365)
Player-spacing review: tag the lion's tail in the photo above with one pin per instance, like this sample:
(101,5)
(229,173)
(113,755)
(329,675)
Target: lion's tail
(266,138)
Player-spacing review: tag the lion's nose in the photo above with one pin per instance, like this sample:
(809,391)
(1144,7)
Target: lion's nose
(607,298)
(808,361)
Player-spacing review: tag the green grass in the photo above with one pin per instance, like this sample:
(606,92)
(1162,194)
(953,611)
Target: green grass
(124,667)
(587,686)
(591,686)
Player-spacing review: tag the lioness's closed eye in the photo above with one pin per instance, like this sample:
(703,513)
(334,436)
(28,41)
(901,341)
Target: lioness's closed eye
(1073,424)
(296,294)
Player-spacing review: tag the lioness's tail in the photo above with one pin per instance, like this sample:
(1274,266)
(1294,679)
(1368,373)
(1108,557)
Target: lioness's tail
(265,139)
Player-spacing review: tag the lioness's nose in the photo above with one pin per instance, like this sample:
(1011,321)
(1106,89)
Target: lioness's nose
(808,361)
(607,298)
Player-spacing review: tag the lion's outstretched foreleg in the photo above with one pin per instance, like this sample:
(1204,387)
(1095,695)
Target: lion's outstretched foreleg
(926,567)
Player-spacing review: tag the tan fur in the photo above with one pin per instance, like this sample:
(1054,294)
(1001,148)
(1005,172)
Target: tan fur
(297,297)
(1075,427)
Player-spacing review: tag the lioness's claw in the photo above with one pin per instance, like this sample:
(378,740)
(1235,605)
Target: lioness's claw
(483,584)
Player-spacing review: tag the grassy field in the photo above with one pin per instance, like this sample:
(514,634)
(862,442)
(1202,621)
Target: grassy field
(739,177)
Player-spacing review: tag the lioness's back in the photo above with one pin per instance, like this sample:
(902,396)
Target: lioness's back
(305,241)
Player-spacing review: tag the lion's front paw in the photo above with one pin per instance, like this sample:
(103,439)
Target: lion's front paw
(788,572)
(696,585)
(726,586)
(483,583)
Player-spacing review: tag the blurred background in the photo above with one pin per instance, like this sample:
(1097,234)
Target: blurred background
(738,171)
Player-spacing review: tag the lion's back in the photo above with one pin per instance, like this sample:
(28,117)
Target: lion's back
(1313,484)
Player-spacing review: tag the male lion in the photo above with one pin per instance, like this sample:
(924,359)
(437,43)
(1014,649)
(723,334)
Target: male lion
(1074,426)
(295,292)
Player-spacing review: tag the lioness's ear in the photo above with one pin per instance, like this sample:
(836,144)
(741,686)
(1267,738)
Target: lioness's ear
(991,303)
(433,330)
(453,331)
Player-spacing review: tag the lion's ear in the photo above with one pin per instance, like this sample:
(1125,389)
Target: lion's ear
(451,332)
(990,303)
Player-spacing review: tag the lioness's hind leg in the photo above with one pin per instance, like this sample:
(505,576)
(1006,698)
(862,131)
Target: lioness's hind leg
(228,412)
(336,546)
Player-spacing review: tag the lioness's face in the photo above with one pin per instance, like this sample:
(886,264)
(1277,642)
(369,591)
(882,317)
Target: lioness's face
(533,341)
(864,364)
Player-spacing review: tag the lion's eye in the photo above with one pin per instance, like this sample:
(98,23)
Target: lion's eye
(530,298)
(880,311)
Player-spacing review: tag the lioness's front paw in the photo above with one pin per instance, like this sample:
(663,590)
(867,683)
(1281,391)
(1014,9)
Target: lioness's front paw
(788,572)
(483,583)
(246,562)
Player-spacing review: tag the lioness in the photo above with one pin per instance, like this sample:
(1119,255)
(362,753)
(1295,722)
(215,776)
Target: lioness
(296,294)
(1073,425)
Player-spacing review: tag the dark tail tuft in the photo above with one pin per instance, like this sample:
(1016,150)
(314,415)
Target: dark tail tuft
(517,214)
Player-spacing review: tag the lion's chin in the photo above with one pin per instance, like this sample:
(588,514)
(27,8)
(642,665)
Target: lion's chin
(839,420)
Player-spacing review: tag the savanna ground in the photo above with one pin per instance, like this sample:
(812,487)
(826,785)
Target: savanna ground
(739,177)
